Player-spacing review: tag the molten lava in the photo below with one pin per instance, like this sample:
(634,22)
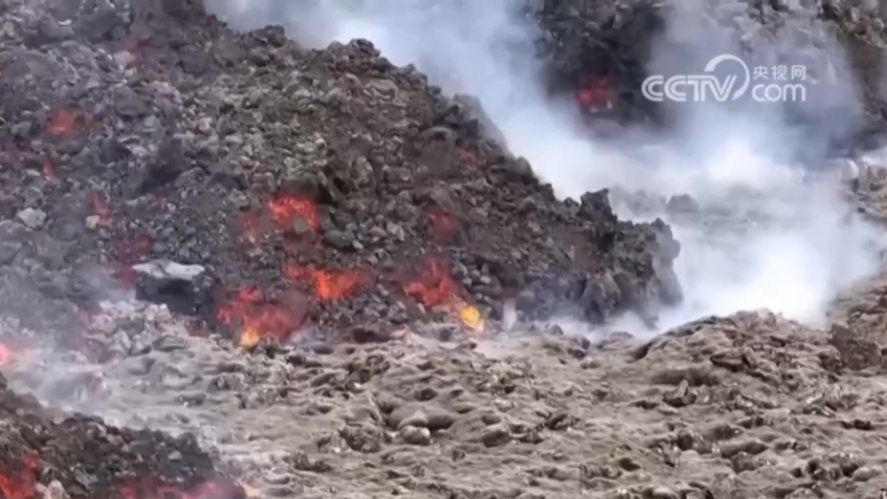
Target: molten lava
(328,284)
(20,485)
(436,288)
(62,122)
(258,318)
(284,208)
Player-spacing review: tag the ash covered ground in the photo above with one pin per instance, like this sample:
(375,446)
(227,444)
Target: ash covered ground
(236,266)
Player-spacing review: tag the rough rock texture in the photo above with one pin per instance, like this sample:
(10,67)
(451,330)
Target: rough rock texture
(749,405)
(82,457)
(151,131)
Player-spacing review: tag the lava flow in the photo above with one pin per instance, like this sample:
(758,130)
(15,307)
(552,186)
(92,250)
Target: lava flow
(260,319)
(285,208)
(20,485)
(436,288)
(328,284)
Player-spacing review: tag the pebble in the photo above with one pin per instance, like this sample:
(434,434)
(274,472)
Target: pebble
(32,217)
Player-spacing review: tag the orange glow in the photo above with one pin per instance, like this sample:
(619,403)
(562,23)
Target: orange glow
(62,122)
(258,319)
(471,317)
(20,485)
(284,208)
(329,285)
(437,288)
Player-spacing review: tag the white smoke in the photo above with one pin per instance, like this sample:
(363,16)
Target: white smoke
(769,238)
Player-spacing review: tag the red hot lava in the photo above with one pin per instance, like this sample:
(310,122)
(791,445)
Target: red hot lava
(259,318)
(284,207)
(328,284)
(20,485)
(436,288)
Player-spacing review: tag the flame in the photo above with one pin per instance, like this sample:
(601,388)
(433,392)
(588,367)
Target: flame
(437,288)
(6,355)
(441,225)
(329,285)
(20,485)
(62,122)
(99,206)
(283,208)
(259,319)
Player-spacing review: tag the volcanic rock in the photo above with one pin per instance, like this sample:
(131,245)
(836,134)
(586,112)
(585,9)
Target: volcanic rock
(332,173)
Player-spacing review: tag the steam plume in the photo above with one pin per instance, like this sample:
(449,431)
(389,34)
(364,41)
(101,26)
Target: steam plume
(767,236)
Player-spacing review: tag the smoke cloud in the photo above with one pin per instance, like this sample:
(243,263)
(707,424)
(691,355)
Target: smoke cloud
(771,232)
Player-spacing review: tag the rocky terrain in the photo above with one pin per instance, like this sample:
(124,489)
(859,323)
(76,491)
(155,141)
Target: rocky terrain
(323,277)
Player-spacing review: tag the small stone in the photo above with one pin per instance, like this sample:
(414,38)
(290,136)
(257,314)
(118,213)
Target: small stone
(32,217)
(415,436)
(496,435)
(866,473)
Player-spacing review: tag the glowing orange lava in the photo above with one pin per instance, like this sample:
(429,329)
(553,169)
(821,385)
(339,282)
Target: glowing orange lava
(283,208)
(62,122)
(329,285)
(258,318)
(20,485)
(436,288)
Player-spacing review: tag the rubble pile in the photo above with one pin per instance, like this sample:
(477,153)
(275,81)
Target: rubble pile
(44,455)
(232,176)
(749,405)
